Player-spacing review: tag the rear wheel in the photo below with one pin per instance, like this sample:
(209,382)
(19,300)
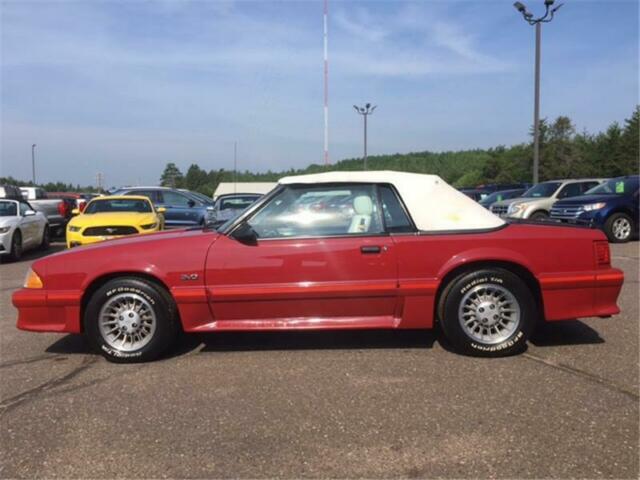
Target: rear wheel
(618,228)
(131,320)
(16,246)
(489,312)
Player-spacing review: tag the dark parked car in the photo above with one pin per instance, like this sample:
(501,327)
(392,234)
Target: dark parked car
(481,192)
(231,205)
(611,207)
(182,209)
(489,200)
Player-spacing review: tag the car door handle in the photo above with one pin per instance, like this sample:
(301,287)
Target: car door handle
(369,249)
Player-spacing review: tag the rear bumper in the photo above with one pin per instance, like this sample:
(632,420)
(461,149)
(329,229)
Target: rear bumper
(580,295)
(43,311)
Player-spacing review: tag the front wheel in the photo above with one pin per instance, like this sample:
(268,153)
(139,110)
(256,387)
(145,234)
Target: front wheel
(46,240)
(489,312)
(131,320)
(539,216)
(16,246)
(618,228)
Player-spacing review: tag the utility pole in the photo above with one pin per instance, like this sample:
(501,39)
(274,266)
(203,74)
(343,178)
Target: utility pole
(235,166)
(365,112)
(546,18)
(33,163)
(326,83)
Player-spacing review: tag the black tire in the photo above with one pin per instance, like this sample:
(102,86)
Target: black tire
(539,216)
(16,246)
(158,300)
(481,283)
(612,228)
(46,239)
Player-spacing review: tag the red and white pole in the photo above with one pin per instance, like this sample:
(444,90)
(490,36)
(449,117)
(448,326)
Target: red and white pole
(326,83)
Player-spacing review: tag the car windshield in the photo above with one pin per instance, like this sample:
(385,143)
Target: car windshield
(118,205)
(542,190)
(617,186)
(8,209)
(237,203)
(499,196)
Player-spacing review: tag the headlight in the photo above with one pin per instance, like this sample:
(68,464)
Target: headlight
(594,206)
(517,207)
(74,229)
(149,226)
(32,280)
(4,229)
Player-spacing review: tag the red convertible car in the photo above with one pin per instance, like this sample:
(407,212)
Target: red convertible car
(338,250)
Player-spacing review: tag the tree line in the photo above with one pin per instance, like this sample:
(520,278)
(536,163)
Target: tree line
(564,153)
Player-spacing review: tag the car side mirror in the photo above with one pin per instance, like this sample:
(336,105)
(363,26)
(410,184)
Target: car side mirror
(191,203)
(29,213)
(244,233)
(75,211)
(161,209)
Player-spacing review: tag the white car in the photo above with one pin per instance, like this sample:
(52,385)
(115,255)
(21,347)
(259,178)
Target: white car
(21,228)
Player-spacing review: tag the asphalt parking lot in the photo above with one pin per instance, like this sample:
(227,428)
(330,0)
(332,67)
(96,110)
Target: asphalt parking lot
(349,404)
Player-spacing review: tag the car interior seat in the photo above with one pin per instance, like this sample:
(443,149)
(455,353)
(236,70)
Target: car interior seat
(361,221)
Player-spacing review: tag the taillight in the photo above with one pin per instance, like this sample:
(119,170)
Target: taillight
(63,210)
(603,254)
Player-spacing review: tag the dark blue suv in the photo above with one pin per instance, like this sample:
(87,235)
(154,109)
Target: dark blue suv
(183,209)
(611,206)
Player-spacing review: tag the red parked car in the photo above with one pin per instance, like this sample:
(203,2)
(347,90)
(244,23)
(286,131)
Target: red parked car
(338,250)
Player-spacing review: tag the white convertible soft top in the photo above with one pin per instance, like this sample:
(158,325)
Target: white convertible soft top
(433,204)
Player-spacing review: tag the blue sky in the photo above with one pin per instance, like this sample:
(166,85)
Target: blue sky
(125,87)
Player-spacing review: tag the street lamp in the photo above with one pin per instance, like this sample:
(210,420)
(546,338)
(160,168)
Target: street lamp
(33,163)
(365,112)
(546,18)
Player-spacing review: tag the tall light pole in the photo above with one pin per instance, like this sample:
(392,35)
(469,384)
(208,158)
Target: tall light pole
(546,18)
(33,163)
(365,112)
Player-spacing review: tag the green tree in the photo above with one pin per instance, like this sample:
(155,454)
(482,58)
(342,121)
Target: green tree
(172,176)
(195,178)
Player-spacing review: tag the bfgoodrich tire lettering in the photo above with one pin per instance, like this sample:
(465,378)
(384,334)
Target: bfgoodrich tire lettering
(489,312)
(131,320)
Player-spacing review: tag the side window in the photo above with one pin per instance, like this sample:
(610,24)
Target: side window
(571,190)
(320,211)
(587,186)
(24,206)
(175,199)
(395,217)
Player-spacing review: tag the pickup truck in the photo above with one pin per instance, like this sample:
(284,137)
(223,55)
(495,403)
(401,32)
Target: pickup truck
(56,210)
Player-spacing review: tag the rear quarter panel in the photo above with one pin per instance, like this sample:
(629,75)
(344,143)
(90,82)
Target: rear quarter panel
(561,259)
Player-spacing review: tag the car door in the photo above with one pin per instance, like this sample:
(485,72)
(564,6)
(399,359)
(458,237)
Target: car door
(28,226)
(181,210)
(321,258)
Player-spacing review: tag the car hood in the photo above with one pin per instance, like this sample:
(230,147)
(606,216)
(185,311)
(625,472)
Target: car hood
(110,218)
(586,199)
(8,221)
(506,203)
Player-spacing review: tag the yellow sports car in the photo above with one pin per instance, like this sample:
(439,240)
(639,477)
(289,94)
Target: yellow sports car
(105,218)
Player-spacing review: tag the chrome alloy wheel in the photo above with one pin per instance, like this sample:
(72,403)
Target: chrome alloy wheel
(621,228)
(489,313)
(127,322)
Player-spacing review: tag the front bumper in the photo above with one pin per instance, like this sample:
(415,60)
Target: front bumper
(40,310)
(5,242)
(77,239)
